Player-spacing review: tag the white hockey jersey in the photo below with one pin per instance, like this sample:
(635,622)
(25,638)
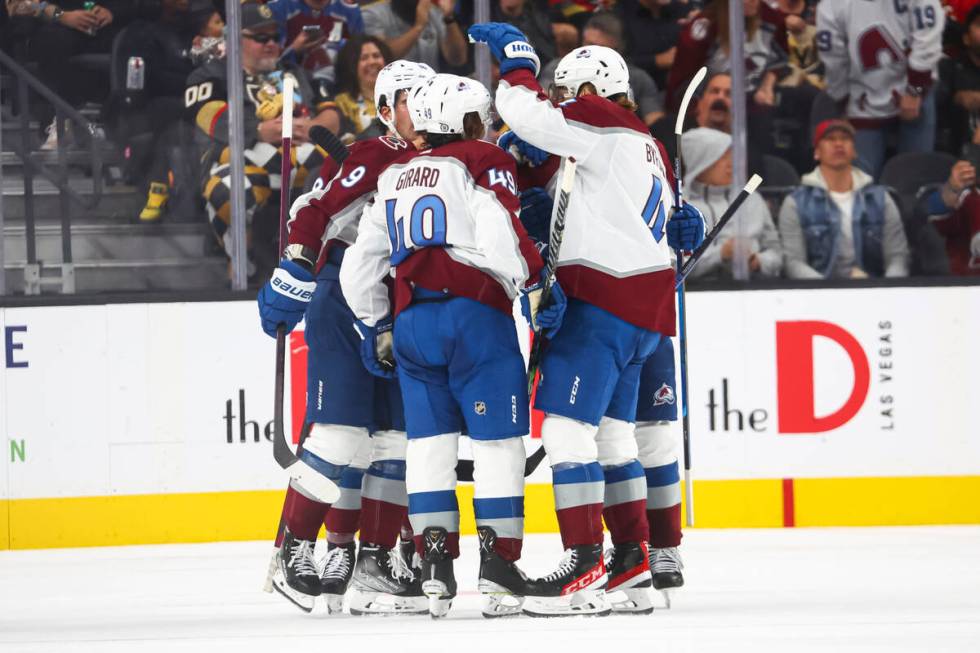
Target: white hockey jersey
(874,49)
(445,220)
(614,252)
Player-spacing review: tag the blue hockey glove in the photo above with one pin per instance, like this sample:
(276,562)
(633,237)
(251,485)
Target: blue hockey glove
(685,229)
(536,205)
(534,155)
(545,319)
(377,348)
(284,298)
(508,45)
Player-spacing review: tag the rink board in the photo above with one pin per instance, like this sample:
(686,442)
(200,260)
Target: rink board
(124,423)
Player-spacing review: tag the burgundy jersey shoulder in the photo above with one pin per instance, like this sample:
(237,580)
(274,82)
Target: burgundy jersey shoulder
(599,112)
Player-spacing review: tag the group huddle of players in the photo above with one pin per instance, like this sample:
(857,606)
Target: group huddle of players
(406,262)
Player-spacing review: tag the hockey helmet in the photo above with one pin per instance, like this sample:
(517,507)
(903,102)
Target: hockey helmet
(603,67)
(400,75)
(438,105)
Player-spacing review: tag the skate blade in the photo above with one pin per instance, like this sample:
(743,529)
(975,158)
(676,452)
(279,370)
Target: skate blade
(586,603)
(304,602)
(499,601)
(363,602)
(335,603)
(667,591)
(632,600)
(439,599)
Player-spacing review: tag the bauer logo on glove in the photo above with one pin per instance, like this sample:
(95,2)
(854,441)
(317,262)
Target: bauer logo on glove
(302,293)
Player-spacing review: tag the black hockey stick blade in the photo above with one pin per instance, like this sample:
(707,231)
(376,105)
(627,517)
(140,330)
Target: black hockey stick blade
(743,195)
(464,468)
(326,139)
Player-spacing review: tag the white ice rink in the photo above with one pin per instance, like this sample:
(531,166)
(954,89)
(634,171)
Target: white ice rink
(871,589)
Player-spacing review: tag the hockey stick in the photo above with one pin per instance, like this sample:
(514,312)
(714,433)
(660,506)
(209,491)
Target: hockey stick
(313,481)
(464,468)
(567,178)
(695,258)
(681,309)
(328,141)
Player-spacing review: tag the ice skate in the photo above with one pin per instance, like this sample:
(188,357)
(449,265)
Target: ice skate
(383,584)
(501,582)
(338,567)
(438,580)
(577,587)
(629,578)
(296,576)
(666,566)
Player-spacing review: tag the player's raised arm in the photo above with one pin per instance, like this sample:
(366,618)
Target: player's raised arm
(521,101)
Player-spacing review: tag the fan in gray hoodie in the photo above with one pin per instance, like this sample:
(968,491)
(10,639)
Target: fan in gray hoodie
(708,181)
(839,224)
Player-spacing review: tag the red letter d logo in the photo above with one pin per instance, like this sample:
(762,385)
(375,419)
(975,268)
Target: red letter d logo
(794,376)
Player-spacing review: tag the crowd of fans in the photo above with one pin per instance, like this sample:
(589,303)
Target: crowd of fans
(841,205)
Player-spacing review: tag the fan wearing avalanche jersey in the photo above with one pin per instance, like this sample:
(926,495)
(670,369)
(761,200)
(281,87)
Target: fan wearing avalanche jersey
(615,268)
(881,58)
(344,401)
(445,223)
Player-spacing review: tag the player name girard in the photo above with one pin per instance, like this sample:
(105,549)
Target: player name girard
(421,176)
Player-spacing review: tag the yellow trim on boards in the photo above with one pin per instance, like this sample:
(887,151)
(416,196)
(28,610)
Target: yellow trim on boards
(254,515)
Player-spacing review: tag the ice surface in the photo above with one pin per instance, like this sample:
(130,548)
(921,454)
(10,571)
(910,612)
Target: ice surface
(871,589)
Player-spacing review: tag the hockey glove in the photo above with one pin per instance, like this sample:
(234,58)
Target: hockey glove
(508,45)
(536,205)
(510,143)
(377,348)
(685,229)
(545,319)
(284,298)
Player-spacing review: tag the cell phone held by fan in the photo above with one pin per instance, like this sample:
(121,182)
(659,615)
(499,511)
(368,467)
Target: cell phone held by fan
(313,32)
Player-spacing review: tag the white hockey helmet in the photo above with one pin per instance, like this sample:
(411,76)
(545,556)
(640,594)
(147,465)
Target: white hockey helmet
(438,105)
(603,67)
(400,75)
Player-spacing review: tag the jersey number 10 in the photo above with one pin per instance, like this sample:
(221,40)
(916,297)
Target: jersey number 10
(426,226)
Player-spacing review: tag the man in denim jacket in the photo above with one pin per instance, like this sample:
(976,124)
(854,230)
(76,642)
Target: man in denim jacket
(839,224)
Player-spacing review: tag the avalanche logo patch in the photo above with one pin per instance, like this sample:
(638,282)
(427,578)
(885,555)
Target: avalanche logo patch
(665,395)
(479,408)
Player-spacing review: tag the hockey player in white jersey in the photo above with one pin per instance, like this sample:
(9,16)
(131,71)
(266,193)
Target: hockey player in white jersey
(881,58)
(346,402)
(446,222)
(615,267)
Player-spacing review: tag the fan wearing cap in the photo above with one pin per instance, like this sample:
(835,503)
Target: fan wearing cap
(838,224)
(708,181)
(357,421)
(206,106)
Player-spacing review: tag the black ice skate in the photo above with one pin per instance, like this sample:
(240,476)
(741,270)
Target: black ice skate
(296,576)
(338,567)
(384,584)
(628,567)
(666,566)
(438,580)
(501,582)
(577,587)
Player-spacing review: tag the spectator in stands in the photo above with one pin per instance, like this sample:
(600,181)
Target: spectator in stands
(605,28)
(209,36)
(70,29)
(954,209)
(316,29)
(358,65)
(838,224)
(206,101)
(714,107)
(887,93)
(704,42)
(652,30)
(708,182)
(418,30)
(145,120)
(964,87)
